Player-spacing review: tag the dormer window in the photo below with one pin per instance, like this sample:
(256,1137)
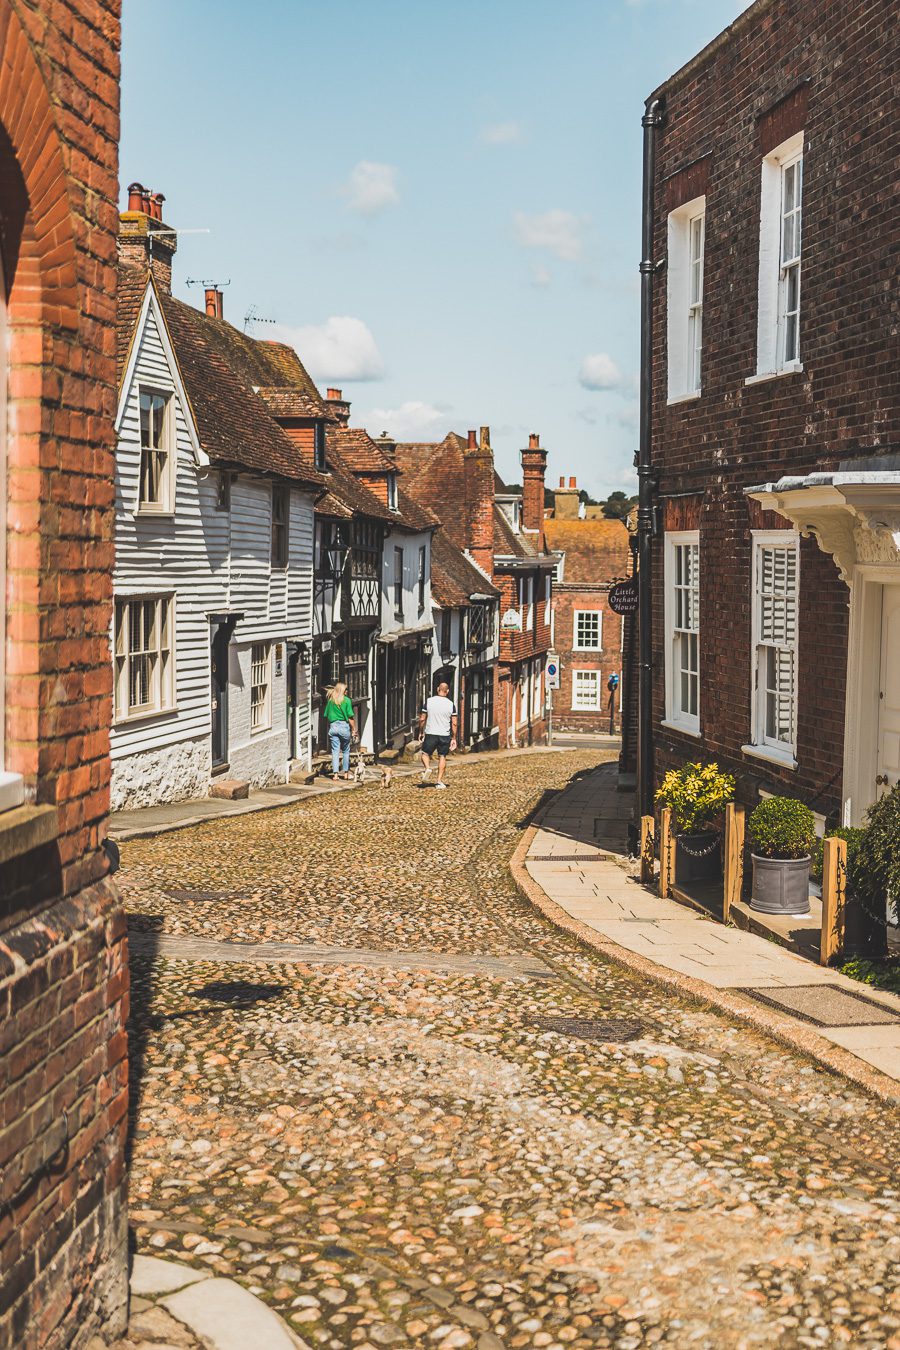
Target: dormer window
(319,450)
(392,491)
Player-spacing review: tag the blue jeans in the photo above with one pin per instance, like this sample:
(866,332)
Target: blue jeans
(339,736)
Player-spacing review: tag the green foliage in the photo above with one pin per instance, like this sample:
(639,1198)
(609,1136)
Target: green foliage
(618,505)
(781,827)
(853,834)
(875,874)
(879,974)
(696,794)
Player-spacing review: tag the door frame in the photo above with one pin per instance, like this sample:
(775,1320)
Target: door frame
(219,631)
(861,716)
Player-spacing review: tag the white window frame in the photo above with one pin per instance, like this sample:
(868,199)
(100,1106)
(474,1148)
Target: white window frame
(686,228)
(580,680)
(162,658)
(548,596)
(280,551)
(677,715)
(520,595)
(166,504)
(773,287)
(261,664)
(422,578)
(762,743)
(577,645)
(537,705)
(392,491)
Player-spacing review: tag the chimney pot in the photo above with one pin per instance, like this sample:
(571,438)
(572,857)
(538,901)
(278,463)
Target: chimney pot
(473,439)
(534,441)
(562,482)
(155,206)
(334,395)
(214,305)
(135,197)
(572,483)
(145,201)
(485,438)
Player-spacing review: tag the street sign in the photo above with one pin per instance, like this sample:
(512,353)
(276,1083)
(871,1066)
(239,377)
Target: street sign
(552,675)
(623,597)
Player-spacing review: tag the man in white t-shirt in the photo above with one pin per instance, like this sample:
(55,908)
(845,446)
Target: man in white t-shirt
(438,720)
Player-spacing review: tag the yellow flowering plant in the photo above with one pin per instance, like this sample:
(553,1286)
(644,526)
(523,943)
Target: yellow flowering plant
(696,794)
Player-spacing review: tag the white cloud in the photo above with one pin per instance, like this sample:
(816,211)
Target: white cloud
(371,187)
(600,371)
(557,231)
(501,133)
(629,416)
(342,348)
(541,276)
(412,421)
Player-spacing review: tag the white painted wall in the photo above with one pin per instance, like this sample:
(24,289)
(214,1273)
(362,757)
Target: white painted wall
(412,616)
(211,561)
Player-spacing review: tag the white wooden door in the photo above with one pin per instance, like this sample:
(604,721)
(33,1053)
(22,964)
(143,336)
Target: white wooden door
(888,767)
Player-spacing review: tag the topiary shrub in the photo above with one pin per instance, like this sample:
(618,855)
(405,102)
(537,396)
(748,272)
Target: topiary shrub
(874,875)
(781,827)
(696,794)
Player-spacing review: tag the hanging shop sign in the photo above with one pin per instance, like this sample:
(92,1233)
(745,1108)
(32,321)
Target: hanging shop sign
(623,597)
(511,621)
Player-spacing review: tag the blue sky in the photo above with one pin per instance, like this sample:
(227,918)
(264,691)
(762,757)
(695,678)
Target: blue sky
(437,203)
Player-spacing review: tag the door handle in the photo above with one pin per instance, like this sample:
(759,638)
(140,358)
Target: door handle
(881,780)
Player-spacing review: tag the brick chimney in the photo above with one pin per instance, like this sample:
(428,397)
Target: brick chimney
(478,470)
(338,406)
(387,444)
(565,500)
(534,467)
(214,307)
(144,239)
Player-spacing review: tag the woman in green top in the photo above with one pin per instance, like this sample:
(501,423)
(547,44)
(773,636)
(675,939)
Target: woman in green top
(341,729)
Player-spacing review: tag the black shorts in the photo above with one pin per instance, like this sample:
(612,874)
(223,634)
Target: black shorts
(436,744)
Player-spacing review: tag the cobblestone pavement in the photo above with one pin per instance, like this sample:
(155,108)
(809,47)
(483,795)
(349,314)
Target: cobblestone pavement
(397,1155)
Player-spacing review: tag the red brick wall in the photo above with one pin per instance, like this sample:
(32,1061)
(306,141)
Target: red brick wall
(829,69)
(566,600)
(515,649)
(63,972)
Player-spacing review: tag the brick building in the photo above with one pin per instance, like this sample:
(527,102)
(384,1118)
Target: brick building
(777,406)
(587,635)
(502,532)
(63,971)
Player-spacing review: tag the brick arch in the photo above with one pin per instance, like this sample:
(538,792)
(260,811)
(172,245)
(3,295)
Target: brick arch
(27,118)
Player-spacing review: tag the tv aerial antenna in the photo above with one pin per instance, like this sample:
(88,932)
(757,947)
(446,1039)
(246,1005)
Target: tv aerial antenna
(252,316)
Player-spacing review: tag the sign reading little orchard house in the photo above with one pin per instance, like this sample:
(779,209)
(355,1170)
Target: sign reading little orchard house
(623,597)
(511,621)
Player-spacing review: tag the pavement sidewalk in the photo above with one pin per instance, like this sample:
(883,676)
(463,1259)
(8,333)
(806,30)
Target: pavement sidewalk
(573,864)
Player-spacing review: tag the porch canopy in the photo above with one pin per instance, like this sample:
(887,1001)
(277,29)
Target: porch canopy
(852,512)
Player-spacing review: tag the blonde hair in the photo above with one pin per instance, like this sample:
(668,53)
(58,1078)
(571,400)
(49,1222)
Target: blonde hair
(337,693)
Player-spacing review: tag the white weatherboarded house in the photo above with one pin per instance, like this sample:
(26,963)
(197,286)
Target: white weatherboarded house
(214,554)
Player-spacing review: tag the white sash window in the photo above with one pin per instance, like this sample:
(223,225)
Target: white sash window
(683,631)
(776,586)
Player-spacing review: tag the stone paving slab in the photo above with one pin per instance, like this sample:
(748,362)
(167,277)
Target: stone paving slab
(230,1317)
(601,895)
(511,967)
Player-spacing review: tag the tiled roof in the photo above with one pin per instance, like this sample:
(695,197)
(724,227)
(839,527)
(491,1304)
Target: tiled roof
(597,551)
(360,451)
(346,495)
(508,544)
(454,577)
(435,475)
(232,421)
(132,285)
(283,402)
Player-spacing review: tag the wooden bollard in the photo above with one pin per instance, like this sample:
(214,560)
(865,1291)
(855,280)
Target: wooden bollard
(734,857)
(834,895)
(666,851)
(648,866)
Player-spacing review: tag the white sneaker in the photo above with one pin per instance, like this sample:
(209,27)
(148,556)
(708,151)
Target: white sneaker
(426,773)
(440,785)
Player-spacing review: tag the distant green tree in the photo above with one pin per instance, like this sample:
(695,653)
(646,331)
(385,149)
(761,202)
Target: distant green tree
(587,499)
(618,505)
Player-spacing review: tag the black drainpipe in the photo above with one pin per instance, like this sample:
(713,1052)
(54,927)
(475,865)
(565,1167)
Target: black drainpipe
(654,116)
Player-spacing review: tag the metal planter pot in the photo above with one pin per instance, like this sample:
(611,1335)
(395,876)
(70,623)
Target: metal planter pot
(780,885)
(698,857)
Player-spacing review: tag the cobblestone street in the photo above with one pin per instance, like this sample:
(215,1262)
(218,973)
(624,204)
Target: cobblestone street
(390,1148)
